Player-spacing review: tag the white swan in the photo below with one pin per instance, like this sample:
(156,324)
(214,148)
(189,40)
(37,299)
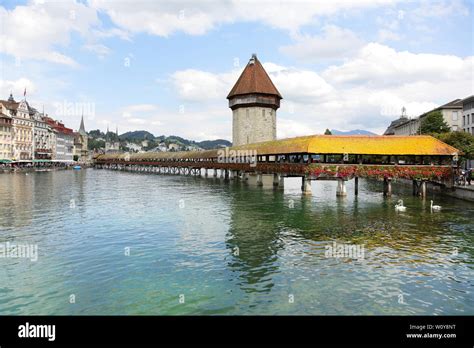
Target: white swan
(400,207)
(435,207)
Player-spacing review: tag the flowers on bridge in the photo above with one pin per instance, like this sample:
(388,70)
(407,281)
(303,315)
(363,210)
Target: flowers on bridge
(379,171)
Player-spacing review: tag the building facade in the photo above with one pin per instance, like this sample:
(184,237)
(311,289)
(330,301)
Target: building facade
(43,138)
(23,124)
(64,141)
(5,135)
(451,112)
(254,101)
(468,120)
(468,114)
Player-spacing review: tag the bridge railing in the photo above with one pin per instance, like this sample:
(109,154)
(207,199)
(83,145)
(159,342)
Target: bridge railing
(436,173)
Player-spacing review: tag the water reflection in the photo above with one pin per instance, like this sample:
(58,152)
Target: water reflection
(229,247)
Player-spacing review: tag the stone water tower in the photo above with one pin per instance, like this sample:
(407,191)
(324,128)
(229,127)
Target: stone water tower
(254,101)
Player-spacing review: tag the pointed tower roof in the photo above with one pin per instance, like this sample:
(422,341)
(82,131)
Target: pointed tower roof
(82,129)
(254,79)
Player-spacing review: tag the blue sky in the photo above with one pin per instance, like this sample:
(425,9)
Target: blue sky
(167,66)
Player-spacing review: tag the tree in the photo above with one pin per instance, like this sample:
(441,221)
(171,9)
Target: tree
(460,140)
(327,132)
(433,123)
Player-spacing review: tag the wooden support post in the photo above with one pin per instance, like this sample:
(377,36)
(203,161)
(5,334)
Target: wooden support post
(259,179)
(205,172)
(387,187)
(306,185)
(226,174)
(356,185)
(415,188)
(276,179)
(214,174)
(423,189)
(341,188)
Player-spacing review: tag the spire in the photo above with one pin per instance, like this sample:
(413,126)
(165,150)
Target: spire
(82,129)
(10,99)
(254,80)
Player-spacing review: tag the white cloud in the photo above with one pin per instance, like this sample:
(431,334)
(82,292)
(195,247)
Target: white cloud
(333,43)
(379,65)
(197,86)
(16,87)
(37,30)
(388,35)
(366,92)
(163,18)
(99,49)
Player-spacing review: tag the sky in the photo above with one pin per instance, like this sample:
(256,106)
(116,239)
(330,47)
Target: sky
(167,66)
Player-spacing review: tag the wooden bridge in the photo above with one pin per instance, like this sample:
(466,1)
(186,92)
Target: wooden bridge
(421,159)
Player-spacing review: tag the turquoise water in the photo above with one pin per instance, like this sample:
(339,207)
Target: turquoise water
(228,248)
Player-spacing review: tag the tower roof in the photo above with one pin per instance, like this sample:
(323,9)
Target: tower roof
(254,79)
(82,129)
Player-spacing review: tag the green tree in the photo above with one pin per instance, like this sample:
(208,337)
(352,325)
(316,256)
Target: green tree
(327,132)
(460,140)
(433,123)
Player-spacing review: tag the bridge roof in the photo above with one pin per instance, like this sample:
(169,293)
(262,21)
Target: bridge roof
(318,144)
(355,144)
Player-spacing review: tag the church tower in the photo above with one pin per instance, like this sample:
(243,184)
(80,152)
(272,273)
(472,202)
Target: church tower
(254,100)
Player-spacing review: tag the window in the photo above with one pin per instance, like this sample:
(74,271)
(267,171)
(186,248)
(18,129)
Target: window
(464,120)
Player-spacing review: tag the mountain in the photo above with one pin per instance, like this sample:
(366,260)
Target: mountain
(213,144)
(137,135)
(352,132)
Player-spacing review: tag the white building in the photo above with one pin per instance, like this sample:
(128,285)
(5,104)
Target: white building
(411,126)
(468,120)
(43,137)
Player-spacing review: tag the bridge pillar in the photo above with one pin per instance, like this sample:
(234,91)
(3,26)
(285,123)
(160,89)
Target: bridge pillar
(226,174)
(245,176)
(306,185)
(387,187)
(281,184)
(356,185)
(341,188)
(214,174)
(423,189)
(205,172)
(276,179)
(259,179)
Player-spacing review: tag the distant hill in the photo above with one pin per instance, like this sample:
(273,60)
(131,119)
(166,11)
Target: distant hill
(352,132)
(137,135)
(212,144)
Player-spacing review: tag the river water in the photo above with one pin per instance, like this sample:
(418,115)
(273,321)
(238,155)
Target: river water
(128,243)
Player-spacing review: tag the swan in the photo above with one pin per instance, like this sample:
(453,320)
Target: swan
(400,207)
(435,207)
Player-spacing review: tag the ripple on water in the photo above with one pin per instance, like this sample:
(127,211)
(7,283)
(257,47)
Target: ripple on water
(227,248)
